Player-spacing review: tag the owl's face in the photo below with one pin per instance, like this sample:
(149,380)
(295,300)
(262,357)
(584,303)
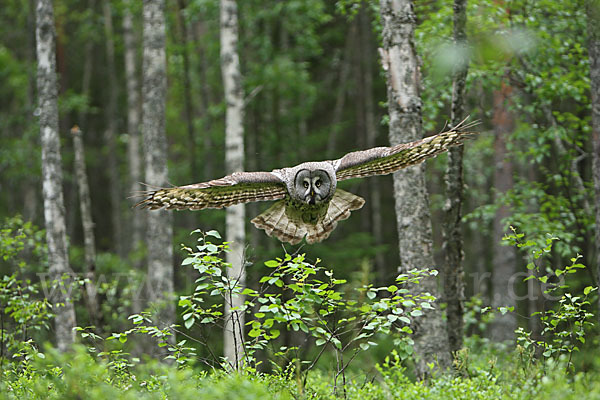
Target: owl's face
(313,186)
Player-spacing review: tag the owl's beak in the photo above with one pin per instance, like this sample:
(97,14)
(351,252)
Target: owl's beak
(313,199)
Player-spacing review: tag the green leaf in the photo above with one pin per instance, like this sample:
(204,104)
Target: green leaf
(365,346)
(337,343)
(416,313)
(588,290)
(504,310)
(188,323)
(271,264)
(213,233)
(254,333)
(320,342)
(188,261)
(248,291)
(371,295)
(547,353)
(274,333)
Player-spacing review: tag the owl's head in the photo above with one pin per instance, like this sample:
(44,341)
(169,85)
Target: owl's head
(313,186)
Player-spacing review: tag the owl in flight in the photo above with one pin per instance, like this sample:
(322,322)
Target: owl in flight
(309,203)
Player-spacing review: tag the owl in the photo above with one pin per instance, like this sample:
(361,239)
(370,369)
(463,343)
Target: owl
(309,202)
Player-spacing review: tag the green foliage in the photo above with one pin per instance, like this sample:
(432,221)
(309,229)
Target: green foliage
(564,328)
(292,55)
(297,295)
(24,312)
(300,296)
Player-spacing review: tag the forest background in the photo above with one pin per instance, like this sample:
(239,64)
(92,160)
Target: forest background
(313,88)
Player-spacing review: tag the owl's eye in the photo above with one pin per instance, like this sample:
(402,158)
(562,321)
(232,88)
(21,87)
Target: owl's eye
(306,184)
(318,183)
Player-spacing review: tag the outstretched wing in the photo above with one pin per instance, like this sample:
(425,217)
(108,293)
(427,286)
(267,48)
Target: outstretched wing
(239,187)
(385,160)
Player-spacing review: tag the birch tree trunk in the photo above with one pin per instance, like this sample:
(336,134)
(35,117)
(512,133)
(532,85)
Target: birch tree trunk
(133,122)
(110,133)
(52,179)
(154,90)
(454,274)
(234,161)
(412,203)
(85,205)
(593,23)
(504,258)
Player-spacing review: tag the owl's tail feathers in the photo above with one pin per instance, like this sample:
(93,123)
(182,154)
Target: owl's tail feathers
(276,222)
(340,207)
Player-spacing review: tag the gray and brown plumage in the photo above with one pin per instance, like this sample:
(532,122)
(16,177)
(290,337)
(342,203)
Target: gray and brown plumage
(310,204)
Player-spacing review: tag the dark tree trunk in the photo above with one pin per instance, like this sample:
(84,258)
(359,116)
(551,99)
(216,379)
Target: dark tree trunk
(593,15)
(88,66)
(504,257)
(31,195)
(85,205)
(357,92)
(374,202)
(182,31)
(110,135)
(205,101)
(453,242)
(159,223)
(412,203)
(52,177)
(340,100)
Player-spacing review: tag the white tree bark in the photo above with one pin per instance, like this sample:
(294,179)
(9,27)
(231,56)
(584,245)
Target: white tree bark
(160,230)
(133,121)
(52,179)
(412,202)
(234,161)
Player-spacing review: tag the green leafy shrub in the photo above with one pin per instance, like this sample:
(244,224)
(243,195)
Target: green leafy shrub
(564,327)
(301,296)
